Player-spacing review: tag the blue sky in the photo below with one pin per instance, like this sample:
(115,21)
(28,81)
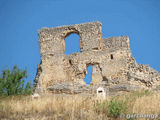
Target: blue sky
(21,19)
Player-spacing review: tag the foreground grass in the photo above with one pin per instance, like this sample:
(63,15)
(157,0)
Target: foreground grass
(78,107)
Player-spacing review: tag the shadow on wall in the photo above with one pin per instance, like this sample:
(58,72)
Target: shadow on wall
(88,77)
(72,44)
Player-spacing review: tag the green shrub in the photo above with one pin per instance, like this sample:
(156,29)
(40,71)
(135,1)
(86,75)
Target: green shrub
(28,89)
(12,82)
(116,107)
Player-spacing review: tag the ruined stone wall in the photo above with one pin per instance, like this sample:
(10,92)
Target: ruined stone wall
(52,39)
(116,43)
(111,59)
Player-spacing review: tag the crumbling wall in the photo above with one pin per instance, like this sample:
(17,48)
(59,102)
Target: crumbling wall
(111,58)
(52,39)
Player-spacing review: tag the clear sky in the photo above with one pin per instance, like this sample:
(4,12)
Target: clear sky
(21,19)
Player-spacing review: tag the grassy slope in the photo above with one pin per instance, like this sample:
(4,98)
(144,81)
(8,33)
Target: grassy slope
(78,107)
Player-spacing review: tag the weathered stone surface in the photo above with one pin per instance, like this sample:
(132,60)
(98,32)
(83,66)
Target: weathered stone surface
(114,67)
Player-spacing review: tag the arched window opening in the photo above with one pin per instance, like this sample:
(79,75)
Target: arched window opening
(88,77)
(72,44)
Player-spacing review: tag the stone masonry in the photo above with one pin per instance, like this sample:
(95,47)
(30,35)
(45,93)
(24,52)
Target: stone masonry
(114,68)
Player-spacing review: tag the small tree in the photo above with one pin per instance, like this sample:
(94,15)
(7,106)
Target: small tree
(12,82)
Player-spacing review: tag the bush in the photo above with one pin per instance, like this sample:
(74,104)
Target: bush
(28,89)
(12,82)
(116,107)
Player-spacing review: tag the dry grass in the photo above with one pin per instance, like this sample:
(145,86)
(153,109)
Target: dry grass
(147,104)
(73,107)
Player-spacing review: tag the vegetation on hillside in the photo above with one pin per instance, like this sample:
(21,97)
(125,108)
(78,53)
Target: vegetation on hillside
(17,104)
(79,107)
(12,82)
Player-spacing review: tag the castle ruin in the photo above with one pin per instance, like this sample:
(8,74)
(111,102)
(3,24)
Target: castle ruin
(114,68)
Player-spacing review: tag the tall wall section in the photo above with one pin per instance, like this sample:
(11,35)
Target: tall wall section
(111,58)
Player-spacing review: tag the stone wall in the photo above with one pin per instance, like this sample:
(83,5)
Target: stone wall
(52,39)
(113,64)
